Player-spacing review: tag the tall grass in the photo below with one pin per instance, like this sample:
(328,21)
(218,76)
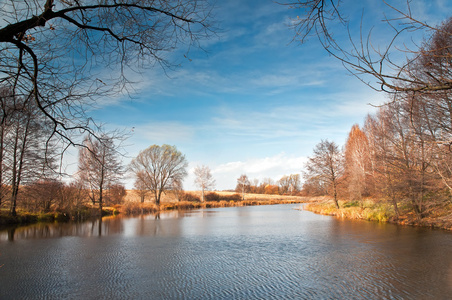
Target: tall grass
(368,210)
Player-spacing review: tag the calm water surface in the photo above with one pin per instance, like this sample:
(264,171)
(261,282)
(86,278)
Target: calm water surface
(260,252)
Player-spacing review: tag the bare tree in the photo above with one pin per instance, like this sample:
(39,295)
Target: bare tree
(158,167)
(43,194)
(115,194)
(99,166)
(140,185)
(325,18)
(326,165)
(243,185)
(289,184)
(383,178)
(73,198)
(177,189)
(22,139)
(403,158)
(61,56)
(204,179)
(284,184)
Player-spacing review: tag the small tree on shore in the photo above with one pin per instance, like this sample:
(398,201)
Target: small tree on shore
(140,186)
(204,179)
(99,166)
(326,166)
(243,185)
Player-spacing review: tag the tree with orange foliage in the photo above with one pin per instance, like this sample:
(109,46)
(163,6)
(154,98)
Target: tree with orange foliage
(271,189)
(357,163)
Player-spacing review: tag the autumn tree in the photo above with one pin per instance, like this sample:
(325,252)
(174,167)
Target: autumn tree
(61,56)
(284,184)
(99,167)
(431,112)
(159,167)
(289,184)
(204,179)
(357,163)
(254,186)
(377,129)
(115,194)
(326,166)
(313,186)
(42,194)
(375,66)
(243,185)
(73,197)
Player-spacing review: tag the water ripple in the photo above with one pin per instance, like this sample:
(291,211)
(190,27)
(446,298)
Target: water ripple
(240,253)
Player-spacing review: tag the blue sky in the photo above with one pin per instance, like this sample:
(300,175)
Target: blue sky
(253,102)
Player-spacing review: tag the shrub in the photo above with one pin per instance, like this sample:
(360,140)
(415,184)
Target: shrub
(233,197)
(212,197)
(215,197)
(189,197)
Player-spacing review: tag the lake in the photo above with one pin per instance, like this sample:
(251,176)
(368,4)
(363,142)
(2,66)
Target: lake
(254,252)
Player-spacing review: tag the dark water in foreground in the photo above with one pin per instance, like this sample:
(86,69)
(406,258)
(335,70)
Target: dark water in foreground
(261,252)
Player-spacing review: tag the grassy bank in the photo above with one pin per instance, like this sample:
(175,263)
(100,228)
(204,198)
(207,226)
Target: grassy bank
(23,217)
(380,211)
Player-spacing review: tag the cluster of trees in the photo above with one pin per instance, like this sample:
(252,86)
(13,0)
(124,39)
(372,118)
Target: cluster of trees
(403,153)
(30,175)
(287,185)
(157,169)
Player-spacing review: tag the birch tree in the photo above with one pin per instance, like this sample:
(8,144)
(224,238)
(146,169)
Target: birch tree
(243,185)
(204,179)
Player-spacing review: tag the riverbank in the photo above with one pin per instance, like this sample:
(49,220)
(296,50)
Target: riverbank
(25,217)
(380,211)
(132,206)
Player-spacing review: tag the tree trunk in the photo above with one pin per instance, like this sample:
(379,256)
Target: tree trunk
(157,198)
(202,195)
(335,195)
(100,200)
(14,201)
(394,204)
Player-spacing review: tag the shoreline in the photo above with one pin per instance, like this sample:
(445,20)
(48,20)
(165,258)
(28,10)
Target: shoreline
(378,212)
(131,209)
